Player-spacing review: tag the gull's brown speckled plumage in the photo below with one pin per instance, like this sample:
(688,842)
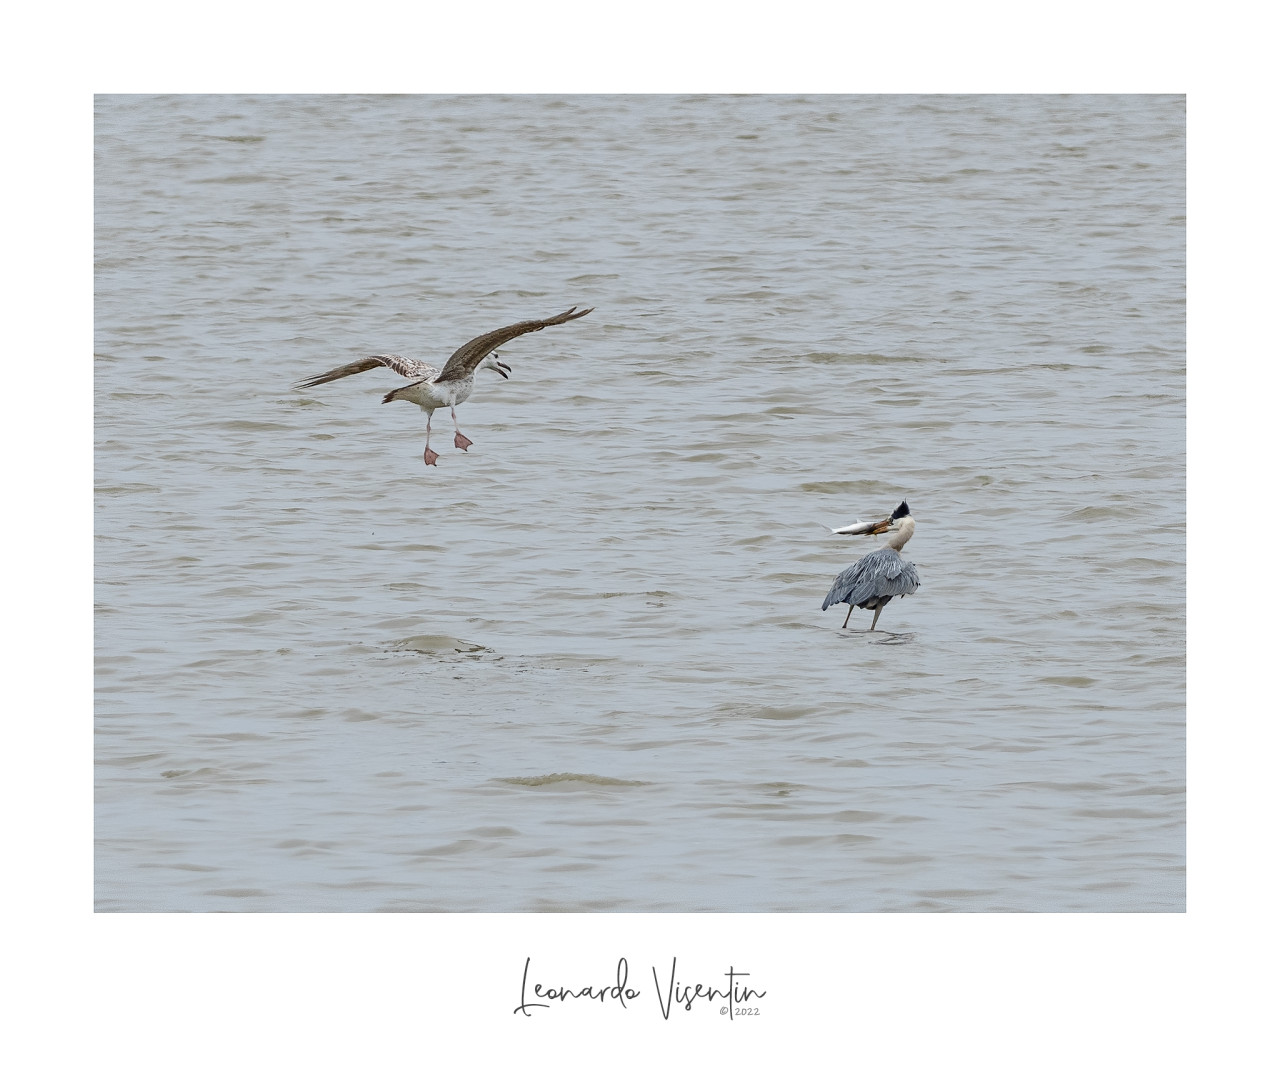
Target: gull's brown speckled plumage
(453,384)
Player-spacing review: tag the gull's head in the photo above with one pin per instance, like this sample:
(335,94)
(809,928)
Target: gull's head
(494,364)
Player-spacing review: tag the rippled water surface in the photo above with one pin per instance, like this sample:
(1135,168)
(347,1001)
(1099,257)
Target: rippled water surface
(583,665)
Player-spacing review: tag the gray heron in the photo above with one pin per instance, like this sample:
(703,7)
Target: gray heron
(880,576)
(451,386)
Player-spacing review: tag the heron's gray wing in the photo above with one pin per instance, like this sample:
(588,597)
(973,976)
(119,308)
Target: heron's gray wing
(904,581)
(846,583)
(467,359)
(880,574)
(401,365)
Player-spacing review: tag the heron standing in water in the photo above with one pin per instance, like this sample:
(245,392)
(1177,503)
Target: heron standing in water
(454,384)
(881,576)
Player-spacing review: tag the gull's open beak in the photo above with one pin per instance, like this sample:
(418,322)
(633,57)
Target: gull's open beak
(502,369)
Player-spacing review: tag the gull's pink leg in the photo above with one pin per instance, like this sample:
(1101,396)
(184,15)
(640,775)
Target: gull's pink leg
(429,455)
(460,440)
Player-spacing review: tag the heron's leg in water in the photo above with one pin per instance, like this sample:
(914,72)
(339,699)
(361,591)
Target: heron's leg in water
(847,615)
(459,439)
(429,455)
(877,615)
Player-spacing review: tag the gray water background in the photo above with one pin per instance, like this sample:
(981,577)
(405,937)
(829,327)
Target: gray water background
(583,666)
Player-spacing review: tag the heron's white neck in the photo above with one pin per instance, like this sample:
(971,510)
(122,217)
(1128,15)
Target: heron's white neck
(900,537)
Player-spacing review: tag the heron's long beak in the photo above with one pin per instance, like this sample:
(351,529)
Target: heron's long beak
(502,369)
(881,526)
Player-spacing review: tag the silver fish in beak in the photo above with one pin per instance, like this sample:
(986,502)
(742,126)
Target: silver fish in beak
(866,527)
(873,527)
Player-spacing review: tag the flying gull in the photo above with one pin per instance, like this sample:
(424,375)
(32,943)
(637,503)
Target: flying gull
(451,386)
